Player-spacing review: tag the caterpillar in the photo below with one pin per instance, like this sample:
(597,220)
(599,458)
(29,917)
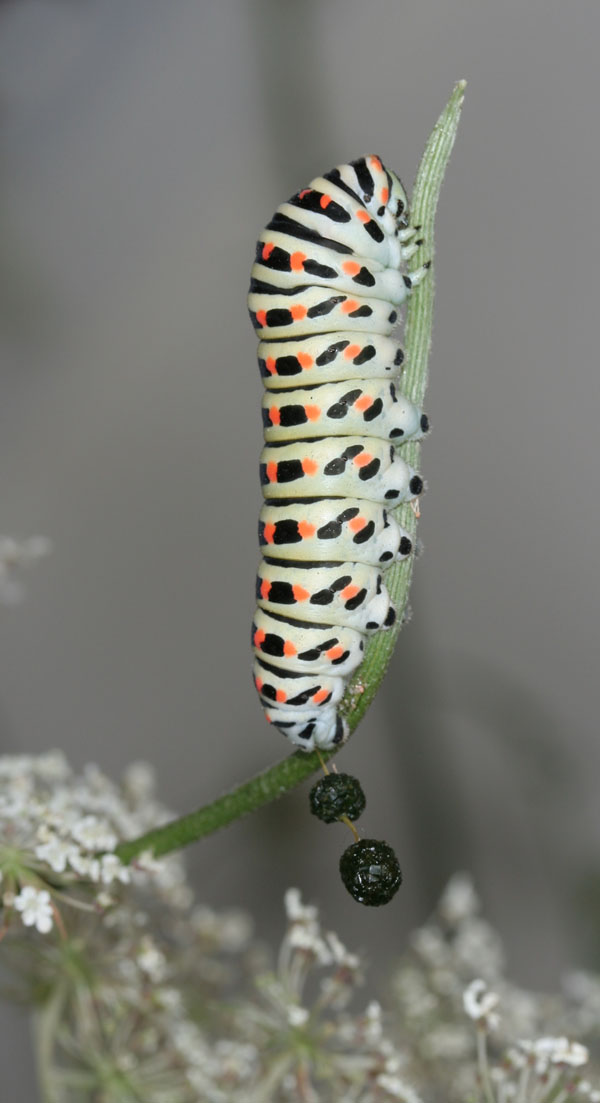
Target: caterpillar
(324,295)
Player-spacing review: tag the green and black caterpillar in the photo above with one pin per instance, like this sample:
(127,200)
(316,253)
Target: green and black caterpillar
(325,288)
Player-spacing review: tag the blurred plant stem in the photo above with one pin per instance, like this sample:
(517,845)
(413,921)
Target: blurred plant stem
(367,680)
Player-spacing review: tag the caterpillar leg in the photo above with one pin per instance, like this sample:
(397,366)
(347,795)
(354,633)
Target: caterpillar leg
(410,250)
(417,276)
(408,234)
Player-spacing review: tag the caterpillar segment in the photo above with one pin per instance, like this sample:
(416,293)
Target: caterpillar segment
(326,286)
(304,361)
(306,648)
(365,467)
(372,408)
(331,529)
(351,595)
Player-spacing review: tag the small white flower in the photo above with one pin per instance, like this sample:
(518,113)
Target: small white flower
(105,900)
(373,1022)
(479,1003)
(340,954)
(459,900)
(56,852)
(585,1088)
(139,780)
(147,863)
(94,834)
(170,999)
(296,910)
(189,1041)
(308,940)
(556,1051)
(478,948)
(398,1088)
(85,866)
(571,1053)
(151,960)
(112,869)
(429,944)
(35,907)
(297,1016)
(236,930)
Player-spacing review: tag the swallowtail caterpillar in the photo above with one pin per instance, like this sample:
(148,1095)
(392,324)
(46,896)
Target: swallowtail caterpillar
(325,289)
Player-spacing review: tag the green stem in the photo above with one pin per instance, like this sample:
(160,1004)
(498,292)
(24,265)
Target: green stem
(46,1020)
(245,798)
(417,342)
(365,683)
(483,1066)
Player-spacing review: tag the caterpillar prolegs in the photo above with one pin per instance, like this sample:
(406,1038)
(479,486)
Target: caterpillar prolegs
(325,288)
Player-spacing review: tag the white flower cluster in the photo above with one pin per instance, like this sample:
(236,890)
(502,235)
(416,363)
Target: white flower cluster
(58,832)
(355,1060)
(540,1069)
(15,555)
(170,1002)
(456,969)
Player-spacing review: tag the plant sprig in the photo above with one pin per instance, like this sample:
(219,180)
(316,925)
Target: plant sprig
(289,773)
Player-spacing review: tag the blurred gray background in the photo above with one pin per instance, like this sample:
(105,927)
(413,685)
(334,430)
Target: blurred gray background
(144,146)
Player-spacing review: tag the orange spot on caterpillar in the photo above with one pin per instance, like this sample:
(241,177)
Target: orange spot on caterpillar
(351,267)
(363,402)
(269,533)
(320,695)
(272,472)
(258,682)
(281,695)
(268,249)
(335,652)
(289,649)
(313,413)
(271,365)
(305,191)
(363,216)
(297,261)
(261,317)
(306,530)
(274,415)
(385,195)
(310,467)
(305,361)
(376,163)
(357,523)
(351,352)
(300,594)
(265,587)
(259,637)
(363,459)
(324,201)
(348,592)
(298,312)
(349,306)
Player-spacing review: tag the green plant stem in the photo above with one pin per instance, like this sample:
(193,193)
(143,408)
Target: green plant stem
(365,683)
(417,343)
(45,1025)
